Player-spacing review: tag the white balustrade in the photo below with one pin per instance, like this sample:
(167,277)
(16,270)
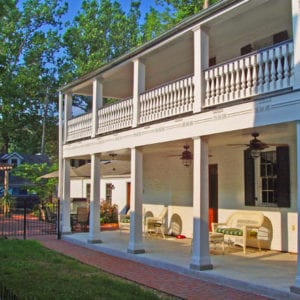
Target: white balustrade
(79,127)
(168,100)
(264,71)
(115,116)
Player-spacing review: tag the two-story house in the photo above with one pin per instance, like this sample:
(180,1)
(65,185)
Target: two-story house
(208,114)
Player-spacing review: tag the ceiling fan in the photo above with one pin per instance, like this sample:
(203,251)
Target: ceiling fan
(256,144)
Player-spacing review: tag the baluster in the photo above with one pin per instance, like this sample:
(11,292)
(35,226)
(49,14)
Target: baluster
(213,89)
(157,109)
(221,80)
(217,85)
(231,81)
(226,83)
(243,77)
(170,99)
(207,89)
(192,93)
(185,102)
(285,55)
(173,86)
(291,65)
(177,97)
(260,75)
(248,76)
(254,74)
(266,72)
(237,80)
(166,97)
(273,70)
(280,61)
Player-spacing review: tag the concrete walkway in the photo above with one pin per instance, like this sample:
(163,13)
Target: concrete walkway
(165,267)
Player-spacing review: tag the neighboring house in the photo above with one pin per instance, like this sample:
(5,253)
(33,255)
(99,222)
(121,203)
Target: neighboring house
(16,184)
(191,103)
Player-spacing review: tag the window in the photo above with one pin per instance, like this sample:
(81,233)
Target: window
(14,162)
(267,178)
(109,188)
(267,191)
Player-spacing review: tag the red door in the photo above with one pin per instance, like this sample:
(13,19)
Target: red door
(213,194)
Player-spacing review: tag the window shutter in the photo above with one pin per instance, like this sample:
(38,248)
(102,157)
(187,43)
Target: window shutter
(249,178)
(283,176)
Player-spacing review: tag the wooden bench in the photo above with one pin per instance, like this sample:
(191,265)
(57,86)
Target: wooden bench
(240,227)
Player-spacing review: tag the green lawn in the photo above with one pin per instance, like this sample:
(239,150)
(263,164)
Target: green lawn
(32,271)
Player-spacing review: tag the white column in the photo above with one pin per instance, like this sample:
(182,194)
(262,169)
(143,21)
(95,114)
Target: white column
(94,231)
(136,204)
(138,87)
(296,287)
(97,103)
(200,256)
(67,114)
(201,57)
(296,38)
(60,146)
(66,200)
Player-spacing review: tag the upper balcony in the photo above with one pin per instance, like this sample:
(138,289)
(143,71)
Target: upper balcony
(245,50)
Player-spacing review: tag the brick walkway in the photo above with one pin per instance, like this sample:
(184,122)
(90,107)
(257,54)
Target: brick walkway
(172,283)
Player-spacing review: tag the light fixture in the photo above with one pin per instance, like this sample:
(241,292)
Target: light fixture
(255,153)
(186,156)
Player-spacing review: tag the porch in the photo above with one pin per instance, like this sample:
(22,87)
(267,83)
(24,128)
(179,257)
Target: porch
(269,273)
(268,70)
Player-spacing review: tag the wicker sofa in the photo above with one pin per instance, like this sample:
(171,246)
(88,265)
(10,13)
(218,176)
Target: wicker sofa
(240,227)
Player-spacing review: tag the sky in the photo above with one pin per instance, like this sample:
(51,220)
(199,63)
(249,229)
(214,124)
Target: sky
(75,5)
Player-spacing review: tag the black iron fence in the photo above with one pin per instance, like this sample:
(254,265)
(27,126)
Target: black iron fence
(25,220)
(6,294)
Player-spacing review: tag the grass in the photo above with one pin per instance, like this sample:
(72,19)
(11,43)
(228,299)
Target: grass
(32,271)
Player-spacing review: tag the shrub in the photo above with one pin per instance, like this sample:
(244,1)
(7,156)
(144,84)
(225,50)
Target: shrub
(108,213)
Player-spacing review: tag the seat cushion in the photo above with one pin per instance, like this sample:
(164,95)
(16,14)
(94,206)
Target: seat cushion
(230,231)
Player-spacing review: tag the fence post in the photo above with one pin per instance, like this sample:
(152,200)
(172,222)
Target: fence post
(24,225)
(58,220)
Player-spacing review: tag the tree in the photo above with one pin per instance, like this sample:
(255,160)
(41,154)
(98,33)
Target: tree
(185,8)
(44,188)
(99,33)
(29,43)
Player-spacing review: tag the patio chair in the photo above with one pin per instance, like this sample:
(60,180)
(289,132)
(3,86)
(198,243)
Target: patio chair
(124,220)
(83,217)
(154,224)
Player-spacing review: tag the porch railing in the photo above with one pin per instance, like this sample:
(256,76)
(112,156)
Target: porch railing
(260,72)
(116,116)
(265,71)
(167,100)
(79,127)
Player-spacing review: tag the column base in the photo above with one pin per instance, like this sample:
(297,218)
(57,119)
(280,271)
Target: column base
(94,241)
(136,251)
(201,268)
(66,233)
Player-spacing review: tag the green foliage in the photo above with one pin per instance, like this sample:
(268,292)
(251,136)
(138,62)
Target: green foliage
(99,33)
(44,188)
(29,43)
(31,271)
(108,213)
(6,203)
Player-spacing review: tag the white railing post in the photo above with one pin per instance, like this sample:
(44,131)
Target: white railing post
(201,56)
(296,37)
(67,114)
(138,88)
(97,104)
